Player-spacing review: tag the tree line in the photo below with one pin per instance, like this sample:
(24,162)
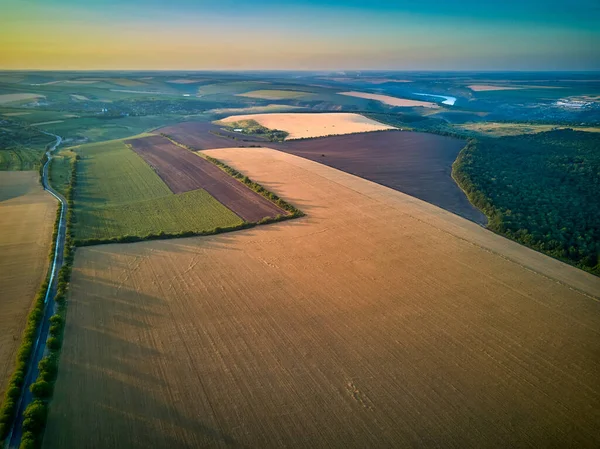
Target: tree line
(542,190)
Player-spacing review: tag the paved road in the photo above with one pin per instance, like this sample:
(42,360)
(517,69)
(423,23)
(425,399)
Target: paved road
(14,437)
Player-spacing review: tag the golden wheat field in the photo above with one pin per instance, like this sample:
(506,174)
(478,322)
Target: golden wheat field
(376,320)
(301,125)
(27,215)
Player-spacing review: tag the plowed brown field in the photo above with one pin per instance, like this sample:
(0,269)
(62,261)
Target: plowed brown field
(419,164)
(27,215)
(377,320)
(203,136)
(183,171)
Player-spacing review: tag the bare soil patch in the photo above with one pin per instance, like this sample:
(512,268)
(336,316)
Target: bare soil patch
(391,101)
(184,171)
(375,321)
(206,136)
(300,125)
(27,215)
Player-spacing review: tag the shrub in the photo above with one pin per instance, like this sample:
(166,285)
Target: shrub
(35,416)
(53,343)
(42,389)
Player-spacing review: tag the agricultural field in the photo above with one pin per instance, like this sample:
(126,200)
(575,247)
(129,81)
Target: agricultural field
(21,147)
(307,125)
(94,129)
(495,129)
(487,87)
(183,171)
(59,172)
(430,332)
(253,128)
(119,194)
(203,135)
(274,94)
(392,101)
(27,215)
(255,109)
(11,98)
(417,164)
(232,88)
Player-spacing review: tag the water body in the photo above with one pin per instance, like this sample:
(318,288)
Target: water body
(447,100)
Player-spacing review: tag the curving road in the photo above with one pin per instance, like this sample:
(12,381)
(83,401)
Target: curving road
(14,437)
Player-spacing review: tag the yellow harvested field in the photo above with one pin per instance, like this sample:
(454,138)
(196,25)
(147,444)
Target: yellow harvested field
(300,125)
(9,98)
(27,215)
(487,87)
(392,101)
(375,321)
(15,114)
(51,122)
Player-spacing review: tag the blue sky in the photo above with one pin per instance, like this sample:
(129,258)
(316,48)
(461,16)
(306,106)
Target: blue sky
(305,34)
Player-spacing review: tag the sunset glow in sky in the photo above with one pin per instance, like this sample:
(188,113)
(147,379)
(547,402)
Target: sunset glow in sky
(310,34)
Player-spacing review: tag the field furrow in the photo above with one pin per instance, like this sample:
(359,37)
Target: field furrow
(376,320)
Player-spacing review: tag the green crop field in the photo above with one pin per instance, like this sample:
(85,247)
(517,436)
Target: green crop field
(101,129)
(275,94)
(60,171)
(21,148)
(117,194)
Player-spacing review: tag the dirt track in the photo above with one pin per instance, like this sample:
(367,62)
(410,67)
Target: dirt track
(375,321)
(182,171)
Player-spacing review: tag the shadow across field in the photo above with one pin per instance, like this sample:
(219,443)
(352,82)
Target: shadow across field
(116,378)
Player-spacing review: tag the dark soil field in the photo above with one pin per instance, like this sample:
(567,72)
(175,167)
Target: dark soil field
(418,164)
(203,136)
(184,171)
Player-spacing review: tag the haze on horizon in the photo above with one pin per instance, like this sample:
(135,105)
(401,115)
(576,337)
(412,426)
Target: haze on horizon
(300,35)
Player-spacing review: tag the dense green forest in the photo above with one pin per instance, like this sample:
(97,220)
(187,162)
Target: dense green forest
(542,190)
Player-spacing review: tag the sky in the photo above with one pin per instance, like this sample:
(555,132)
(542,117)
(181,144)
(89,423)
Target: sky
(300,35)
